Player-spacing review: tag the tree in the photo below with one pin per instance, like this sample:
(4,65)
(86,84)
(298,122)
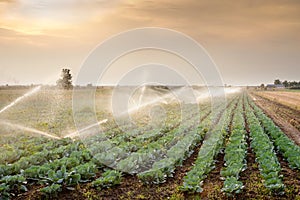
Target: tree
(285,83)
(293,83)
(65,81)
(277,82)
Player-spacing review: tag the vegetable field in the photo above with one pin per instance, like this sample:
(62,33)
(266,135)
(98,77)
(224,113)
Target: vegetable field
(239,154)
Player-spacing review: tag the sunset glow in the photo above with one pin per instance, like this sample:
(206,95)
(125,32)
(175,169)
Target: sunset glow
(241,37)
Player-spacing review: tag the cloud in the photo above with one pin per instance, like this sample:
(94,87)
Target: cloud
(7,1)
(36,17)
(229,17)
(239,20)
(245,35)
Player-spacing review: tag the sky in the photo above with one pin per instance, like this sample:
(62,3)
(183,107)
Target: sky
(250,41)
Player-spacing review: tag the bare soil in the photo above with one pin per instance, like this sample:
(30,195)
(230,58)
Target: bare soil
(285,117)
(291,99)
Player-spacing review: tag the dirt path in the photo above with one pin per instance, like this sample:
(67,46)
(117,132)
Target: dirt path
(284,117)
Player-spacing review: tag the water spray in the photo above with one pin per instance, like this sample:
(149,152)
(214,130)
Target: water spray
(161,99)
(139,106)
(142,95)
(77,133)
(31,92)
(32,130)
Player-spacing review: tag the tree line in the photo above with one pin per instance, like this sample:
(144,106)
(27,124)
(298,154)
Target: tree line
(287,84)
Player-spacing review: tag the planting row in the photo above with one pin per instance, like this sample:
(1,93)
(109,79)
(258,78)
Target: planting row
(178,153)
(264,152)
(210,148)
(286,146)
(235,153)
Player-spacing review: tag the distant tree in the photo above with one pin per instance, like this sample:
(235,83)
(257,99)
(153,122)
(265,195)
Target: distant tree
(65,81)
(277,82)
(262,86)
(285,83)
(294,83)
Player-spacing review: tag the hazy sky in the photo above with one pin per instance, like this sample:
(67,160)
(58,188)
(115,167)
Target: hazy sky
(251,41)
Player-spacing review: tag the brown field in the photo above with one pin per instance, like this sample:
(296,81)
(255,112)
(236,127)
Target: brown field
(290,99)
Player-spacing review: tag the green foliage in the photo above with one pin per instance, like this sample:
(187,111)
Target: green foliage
(4,191)
(64,163)
(73,178)
(32,172)
(235,154)
(15,183)
(264,151)
(285,145)
(86,171)
(232,185)
(277,82)
(291,84)
(209,150)
(186,139)
(108,179)
(155,176)
(57,176)
(51,191)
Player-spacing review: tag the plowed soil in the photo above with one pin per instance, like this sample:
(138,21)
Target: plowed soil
(287,118)
(290,99)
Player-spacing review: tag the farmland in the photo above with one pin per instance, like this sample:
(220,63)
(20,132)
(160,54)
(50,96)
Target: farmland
(287,98)
(233,151)
(282,107)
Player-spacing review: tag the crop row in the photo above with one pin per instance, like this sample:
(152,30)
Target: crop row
(60,149)
(286,146)
(129,155)
(12,149)
(209,150)
(76,166)
(157,150)
(264,152)
(127,132)
(63,162)
(174,157)
(102,144)
(235,153)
